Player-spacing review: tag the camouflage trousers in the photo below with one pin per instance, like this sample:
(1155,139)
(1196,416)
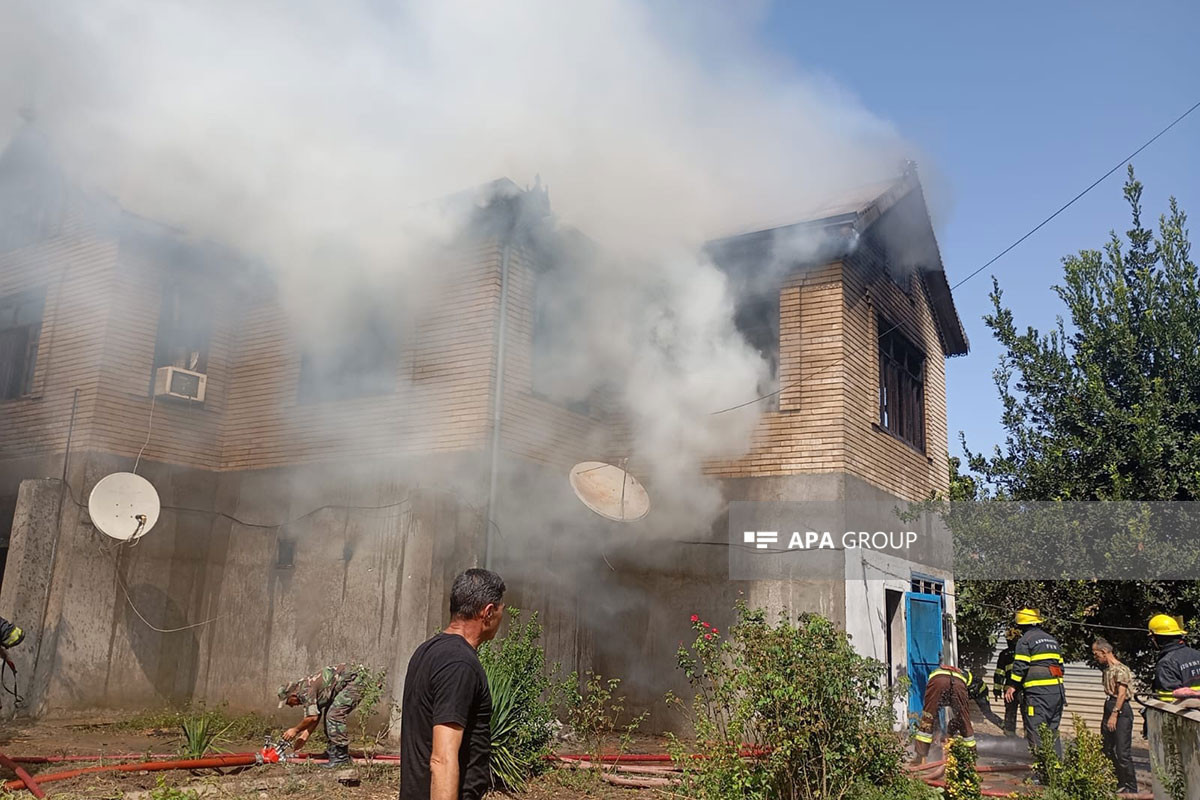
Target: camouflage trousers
(340,708)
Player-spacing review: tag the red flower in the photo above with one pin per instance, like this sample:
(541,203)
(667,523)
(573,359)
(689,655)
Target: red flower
(708,636)
(695,617)
(705,624)
(714,630)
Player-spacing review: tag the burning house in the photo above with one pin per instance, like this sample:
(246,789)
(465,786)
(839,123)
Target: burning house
(324,476)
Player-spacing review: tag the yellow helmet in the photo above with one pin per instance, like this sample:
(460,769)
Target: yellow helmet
(1166,625)
(1029,616)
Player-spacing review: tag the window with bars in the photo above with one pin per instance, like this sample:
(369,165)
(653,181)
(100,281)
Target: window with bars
(20,329)
(901,386)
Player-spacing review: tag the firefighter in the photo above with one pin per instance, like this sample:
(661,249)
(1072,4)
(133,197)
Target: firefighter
(1000,678)
(1177,671)
(1037,671)
(951,686)
(10,636)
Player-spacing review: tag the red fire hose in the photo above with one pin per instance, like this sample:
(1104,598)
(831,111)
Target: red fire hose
(25,781)
(236,760)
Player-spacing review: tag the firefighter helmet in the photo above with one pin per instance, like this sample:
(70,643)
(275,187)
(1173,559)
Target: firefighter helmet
(1029,616)
(13,637)
(1166,625)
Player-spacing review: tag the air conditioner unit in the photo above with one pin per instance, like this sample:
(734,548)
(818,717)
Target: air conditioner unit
(180,383)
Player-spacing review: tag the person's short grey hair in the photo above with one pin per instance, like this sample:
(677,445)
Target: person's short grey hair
(473,591)
(1102,644)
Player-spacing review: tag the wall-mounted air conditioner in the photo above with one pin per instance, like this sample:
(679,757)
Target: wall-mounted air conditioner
(180,383)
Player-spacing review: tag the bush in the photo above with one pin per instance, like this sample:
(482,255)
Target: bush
(1083,773)
(595,710)
(962,780)
(820,713)
(902,788)
(521,700)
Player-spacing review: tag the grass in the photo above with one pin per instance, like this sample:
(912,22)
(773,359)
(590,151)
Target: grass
(218,720)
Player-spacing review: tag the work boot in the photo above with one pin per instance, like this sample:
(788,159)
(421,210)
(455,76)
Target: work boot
(339,756)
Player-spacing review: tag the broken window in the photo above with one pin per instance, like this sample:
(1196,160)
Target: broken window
(356,360)
(901,387)
(184,329)
(20,328)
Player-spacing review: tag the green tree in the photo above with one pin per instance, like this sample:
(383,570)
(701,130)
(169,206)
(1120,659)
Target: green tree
(1105,406)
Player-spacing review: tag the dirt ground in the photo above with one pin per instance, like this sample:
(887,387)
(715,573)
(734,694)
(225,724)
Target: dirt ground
(110,737)
(296,780)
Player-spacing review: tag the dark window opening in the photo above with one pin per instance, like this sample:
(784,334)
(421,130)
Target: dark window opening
(285,553)
(358,360)
(757,319)
(901,387)
(553,368)
(20,329)
(184,330)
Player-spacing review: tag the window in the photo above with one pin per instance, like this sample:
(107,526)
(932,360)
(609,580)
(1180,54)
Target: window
(757,319)
(184,329)
(20,327)
(356,360)
(901,387)
(923,585)
(553,363)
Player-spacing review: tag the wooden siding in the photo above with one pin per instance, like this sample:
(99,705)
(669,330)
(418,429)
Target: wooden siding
(76,271)
(101,324)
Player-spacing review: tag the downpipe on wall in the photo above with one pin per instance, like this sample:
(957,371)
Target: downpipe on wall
(497,406)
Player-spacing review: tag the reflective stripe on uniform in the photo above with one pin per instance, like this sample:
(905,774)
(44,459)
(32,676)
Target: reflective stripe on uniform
(969,742)
(1021,657)
(927,738)
(1169,697)
(1044,682)
(1045,657)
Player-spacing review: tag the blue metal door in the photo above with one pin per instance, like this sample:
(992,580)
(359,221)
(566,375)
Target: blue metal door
(923,613)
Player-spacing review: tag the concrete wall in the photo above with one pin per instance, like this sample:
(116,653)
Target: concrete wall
(1175,746)
(198,609)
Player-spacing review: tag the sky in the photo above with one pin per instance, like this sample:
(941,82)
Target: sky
(1013,109)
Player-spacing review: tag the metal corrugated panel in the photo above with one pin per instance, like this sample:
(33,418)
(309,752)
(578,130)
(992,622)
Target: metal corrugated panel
(1085,694)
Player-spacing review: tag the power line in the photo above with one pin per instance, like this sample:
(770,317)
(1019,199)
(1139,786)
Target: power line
(990,261)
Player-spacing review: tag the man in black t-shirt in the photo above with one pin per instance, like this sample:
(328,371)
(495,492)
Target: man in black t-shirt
(446,713)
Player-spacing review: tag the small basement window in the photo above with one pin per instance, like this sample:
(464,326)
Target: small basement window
(20,329)
(901,386)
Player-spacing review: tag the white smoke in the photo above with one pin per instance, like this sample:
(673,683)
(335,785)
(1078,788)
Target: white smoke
(293,129)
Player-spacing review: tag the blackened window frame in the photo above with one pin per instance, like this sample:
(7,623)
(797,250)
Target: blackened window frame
(902,370)
(22,334)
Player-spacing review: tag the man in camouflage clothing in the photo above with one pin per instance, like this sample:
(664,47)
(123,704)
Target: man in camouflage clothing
(334,693)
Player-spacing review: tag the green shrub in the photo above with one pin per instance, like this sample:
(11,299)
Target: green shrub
(373,683)
(201,733)
(1083,773)
(595,711)
(820,712)
(962,780)
(521,700)
(902,788)
(162,791)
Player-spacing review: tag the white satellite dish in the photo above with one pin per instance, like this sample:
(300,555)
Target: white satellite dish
(610,491)
(124,506)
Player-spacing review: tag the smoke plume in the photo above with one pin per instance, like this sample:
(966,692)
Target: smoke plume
(311,136)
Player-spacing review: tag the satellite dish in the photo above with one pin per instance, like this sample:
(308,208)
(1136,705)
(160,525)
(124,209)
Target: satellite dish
(124,506)
(610,491)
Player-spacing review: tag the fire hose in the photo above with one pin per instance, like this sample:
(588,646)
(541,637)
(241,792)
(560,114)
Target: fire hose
(633,768)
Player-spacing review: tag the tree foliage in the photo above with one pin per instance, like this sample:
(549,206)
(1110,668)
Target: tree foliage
(1104,406)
